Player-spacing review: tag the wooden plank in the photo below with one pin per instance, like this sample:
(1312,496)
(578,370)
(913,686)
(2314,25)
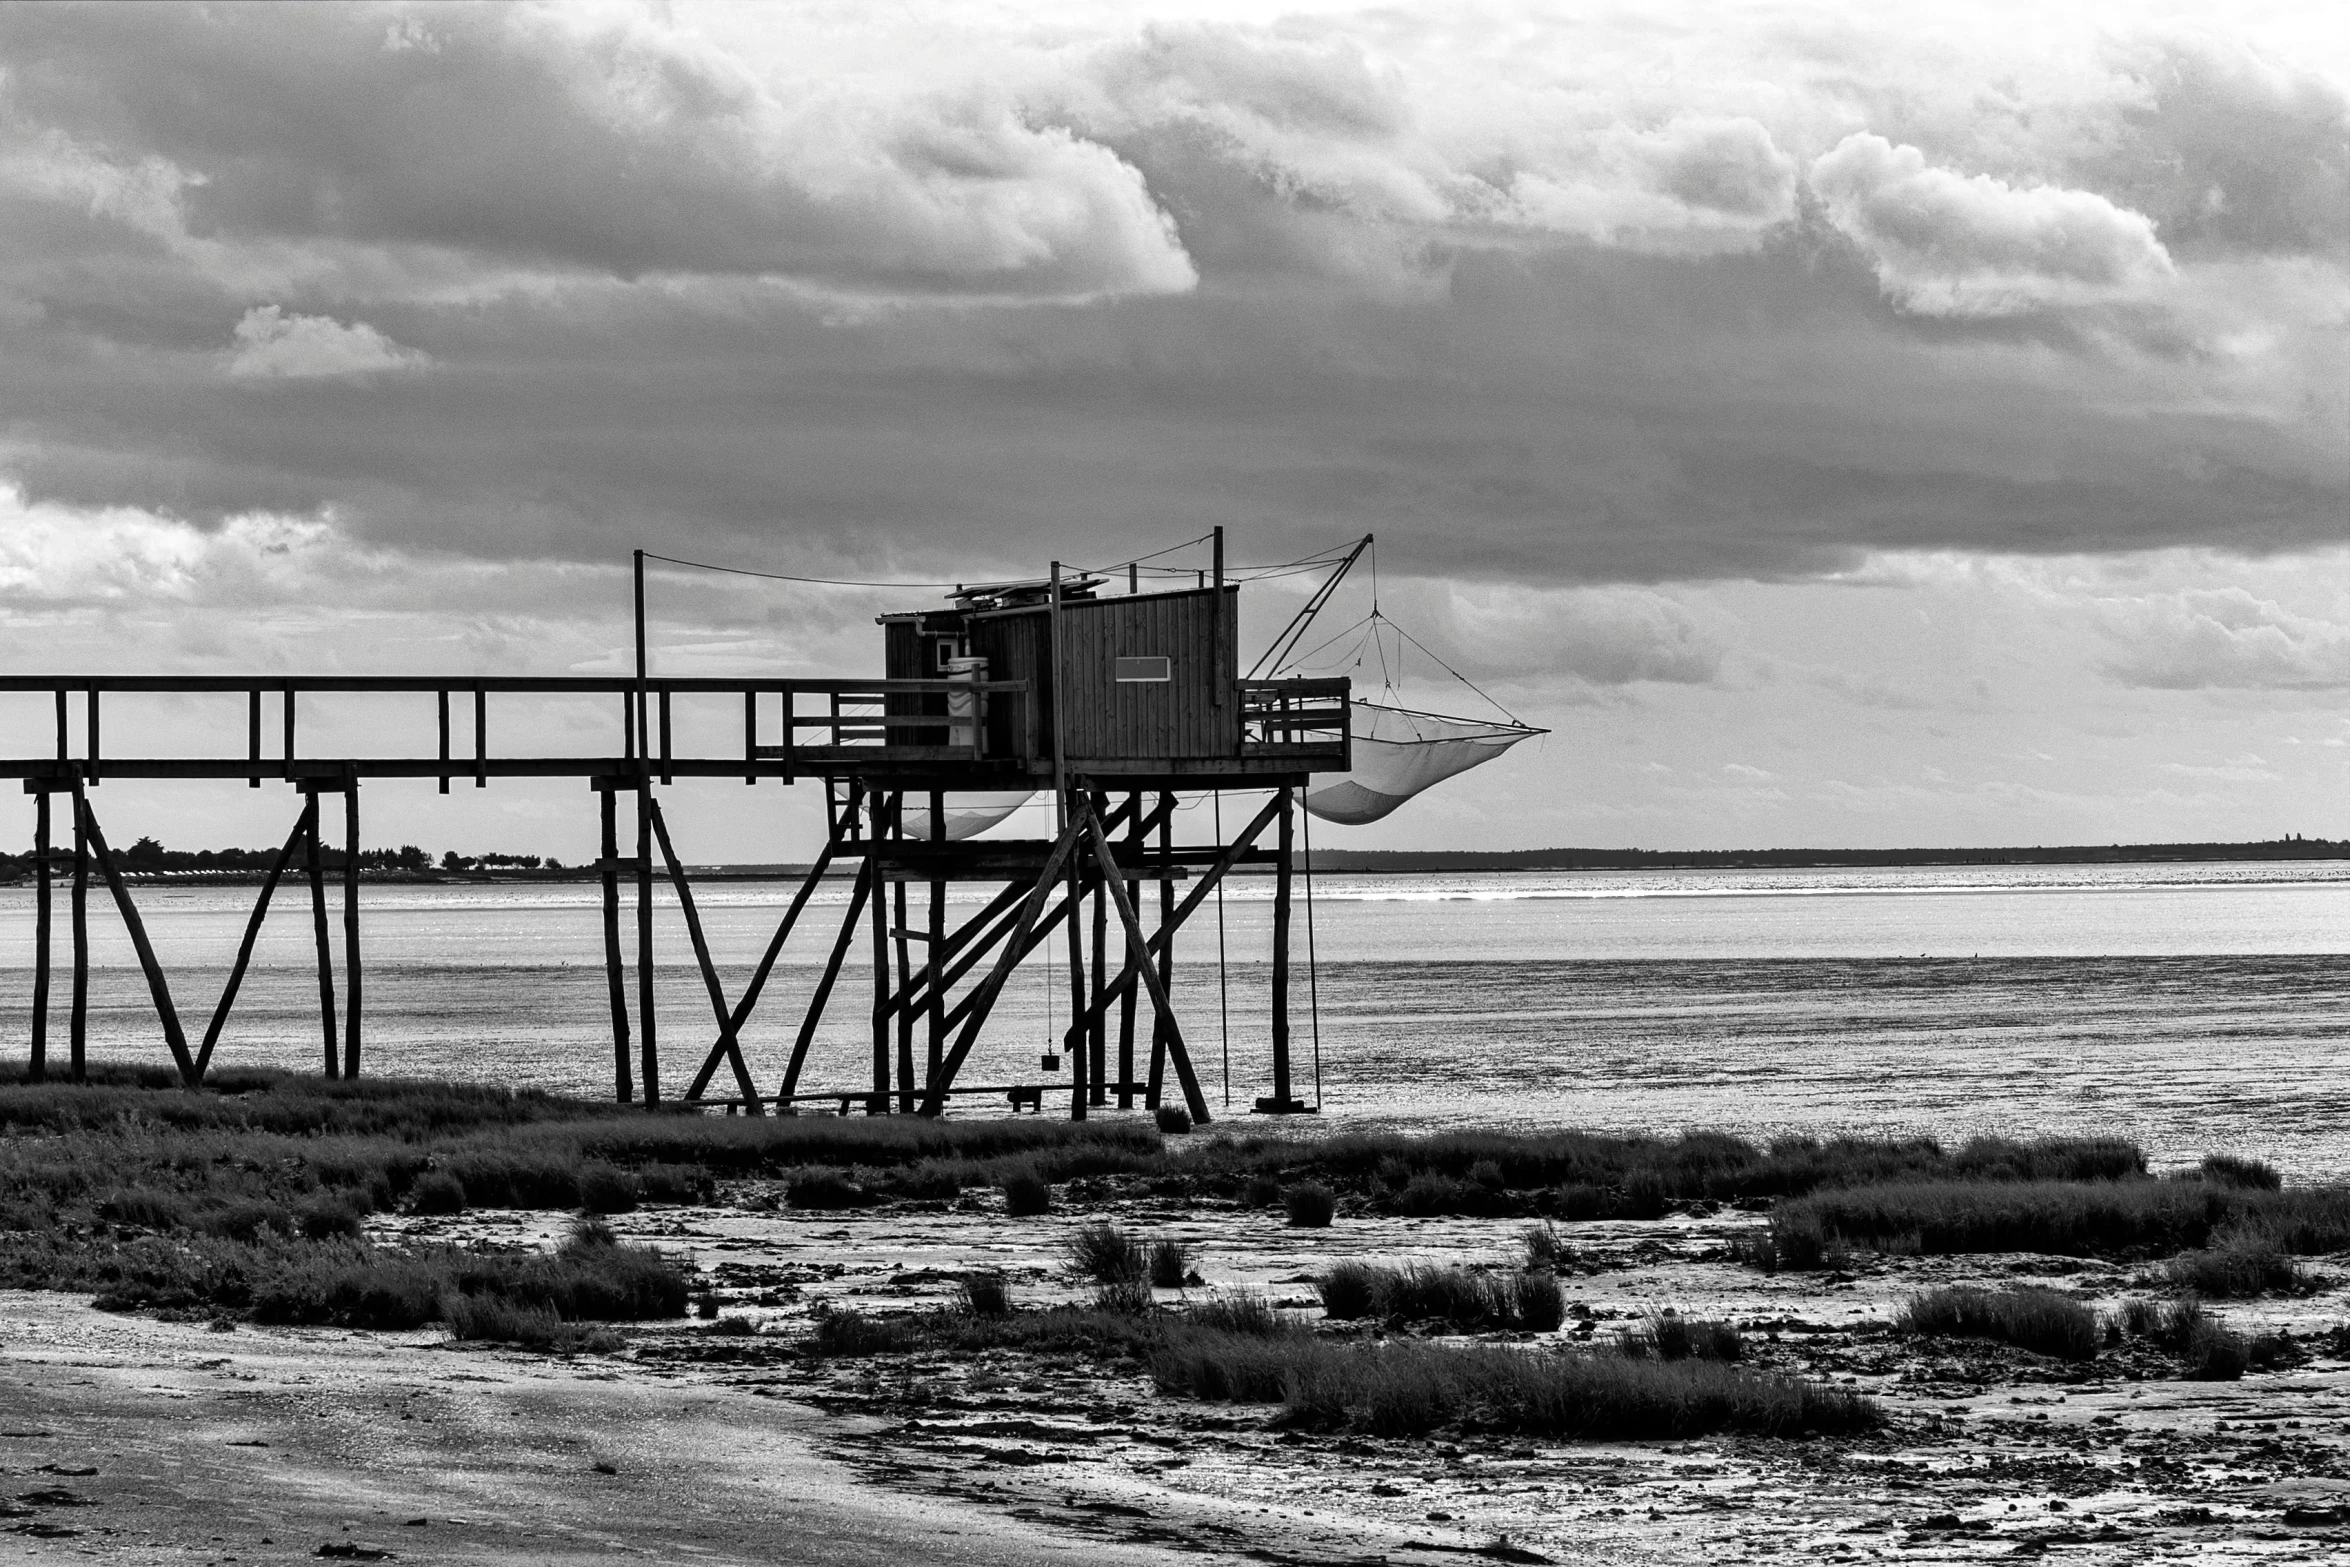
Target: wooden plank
(157,987)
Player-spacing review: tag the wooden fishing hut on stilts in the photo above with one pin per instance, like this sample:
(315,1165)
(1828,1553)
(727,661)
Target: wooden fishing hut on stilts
(1117,704)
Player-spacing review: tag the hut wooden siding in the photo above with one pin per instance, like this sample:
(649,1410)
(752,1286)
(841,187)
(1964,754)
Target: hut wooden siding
(1013,642)
(903,645)
(1193,714)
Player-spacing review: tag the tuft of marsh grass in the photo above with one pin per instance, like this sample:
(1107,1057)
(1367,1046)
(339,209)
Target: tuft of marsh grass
(2222,1169)
(1026,1195)
(1459,1297)
(1546,1250)
(1408,1389)
(437,1192)
(2071,1218)
(826,1191)
(1310,1205)
(1671,1336)
(1173,1120)
(986,1294)
(2208,1350)
(1106,1254)
(1239,1311)
(1124,1297)
(1170,1264)
(2238,1264)
(2039,1320)
(605,1188)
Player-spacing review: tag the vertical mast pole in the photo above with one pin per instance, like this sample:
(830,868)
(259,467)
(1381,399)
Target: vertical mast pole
(40,1043)
(938,936)
(650,1063)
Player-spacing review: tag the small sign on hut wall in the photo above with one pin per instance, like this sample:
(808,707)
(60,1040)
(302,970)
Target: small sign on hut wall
(1139,670)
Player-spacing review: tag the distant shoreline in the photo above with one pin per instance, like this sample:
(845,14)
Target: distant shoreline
(1436,862)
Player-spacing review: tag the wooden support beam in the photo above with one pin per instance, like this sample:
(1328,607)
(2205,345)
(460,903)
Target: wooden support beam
(1134,843)
(313,865)
(693,929)
(1077,1041)
(608,866)
(902,980)
(37,1064)
(78,1022)
(1282,1101)
(964,948)
(982,999)
(750,995)
(648,1048)
(879,1104)
(868,877)
(1162,939)
(236,973)
(351,969)
(1162,1005)
(935,1056)
(1166,958)
(156,985)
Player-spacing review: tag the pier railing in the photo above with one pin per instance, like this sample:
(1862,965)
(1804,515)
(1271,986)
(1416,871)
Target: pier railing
(788,727)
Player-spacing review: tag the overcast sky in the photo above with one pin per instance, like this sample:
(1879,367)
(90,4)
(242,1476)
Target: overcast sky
(1840,424)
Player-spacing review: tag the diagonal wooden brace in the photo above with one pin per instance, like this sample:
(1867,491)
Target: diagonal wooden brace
(693,929)
(1114,881)
(236,973)
(146,950)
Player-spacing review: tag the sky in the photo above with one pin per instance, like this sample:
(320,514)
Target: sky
(1838,424)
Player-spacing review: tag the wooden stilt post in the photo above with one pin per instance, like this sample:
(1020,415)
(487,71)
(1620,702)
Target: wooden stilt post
(313,865)
(37,1066)
(615,981)
(165,1012)
(903,977)
(236,973)
(879,1103)
(938,942)
(1097,1031)
(751,991)
(648,1048)
(975,1007)
(351,968)
(1135,842)
(78,1022)
(823,991)
(1282,1101)
(1079,810)
(1162,1005)
(727,1042)
(1166,955)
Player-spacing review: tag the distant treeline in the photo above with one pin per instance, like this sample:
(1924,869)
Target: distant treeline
(1406,860)
(148,856)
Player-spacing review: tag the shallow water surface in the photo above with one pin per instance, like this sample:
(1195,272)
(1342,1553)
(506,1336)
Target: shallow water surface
(2191,1006)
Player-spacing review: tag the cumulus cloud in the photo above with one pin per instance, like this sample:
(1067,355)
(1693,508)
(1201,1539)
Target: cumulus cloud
(2223,639)
(570,141)
(272,344)
(1951,244)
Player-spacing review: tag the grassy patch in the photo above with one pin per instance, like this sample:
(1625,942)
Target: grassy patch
(2237,1265)
(1106,1254)
(2070,1218)
(1671,1336)
(2041,1321)
(1310,1205)
(1464,1298)
(1404,1389)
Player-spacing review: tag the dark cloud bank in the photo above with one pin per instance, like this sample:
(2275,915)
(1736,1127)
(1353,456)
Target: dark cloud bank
(521,285)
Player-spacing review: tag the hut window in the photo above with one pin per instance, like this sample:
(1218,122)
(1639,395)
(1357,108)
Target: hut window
(1133,670)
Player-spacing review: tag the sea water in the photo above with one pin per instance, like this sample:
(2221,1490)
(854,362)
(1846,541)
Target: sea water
(2195,1007)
